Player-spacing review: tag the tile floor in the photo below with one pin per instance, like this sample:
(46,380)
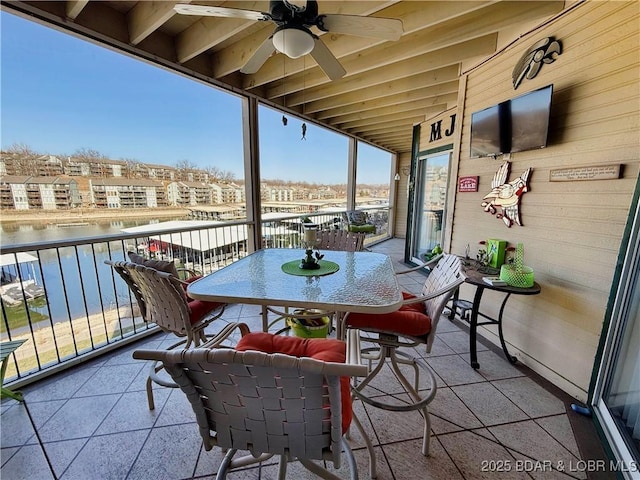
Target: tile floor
(501,421)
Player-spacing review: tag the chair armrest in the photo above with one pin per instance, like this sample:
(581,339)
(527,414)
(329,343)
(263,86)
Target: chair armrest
(437,293)
(192,273)
(431,263)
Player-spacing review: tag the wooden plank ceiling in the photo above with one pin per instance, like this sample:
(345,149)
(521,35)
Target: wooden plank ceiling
(389,85)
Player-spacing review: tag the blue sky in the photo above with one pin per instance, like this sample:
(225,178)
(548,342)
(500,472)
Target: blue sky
(60,94)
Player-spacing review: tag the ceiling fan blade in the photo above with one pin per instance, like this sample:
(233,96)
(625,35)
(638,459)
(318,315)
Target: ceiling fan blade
(203,10)
(385,28)
(327,61)
(260,56)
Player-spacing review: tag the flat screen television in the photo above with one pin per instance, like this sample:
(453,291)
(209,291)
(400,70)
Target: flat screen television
(515,125)
(485,133)
(530,119)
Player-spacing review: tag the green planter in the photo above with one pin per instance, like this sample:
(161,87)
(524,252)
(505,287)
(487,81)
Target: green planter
(309,328)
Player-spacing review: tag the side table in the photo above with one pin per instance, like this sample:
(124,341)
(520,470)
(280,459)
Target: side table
(474,276)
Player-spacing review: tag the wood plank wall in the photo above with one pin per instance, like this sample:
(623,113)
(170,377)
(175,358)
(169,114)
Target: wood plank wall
(571,230)
(400,227)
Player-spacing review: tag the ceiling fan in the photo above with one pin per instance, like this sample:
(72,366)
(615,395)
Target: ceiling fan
(293,37)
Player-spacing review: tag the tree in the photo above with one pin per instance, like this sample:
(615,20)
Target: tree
(132,167)
(227,176)
(88,154)
(20,159)
(183,168)
(21,149)
(214,173)
(92,156)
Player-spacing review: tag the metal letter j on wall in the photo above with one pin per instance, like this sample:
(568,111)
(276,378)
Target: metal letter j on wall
(506,196)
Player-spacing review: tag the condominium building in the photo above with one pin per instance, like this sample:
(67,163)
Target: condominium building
(188,193)
(127,193)
(46,193)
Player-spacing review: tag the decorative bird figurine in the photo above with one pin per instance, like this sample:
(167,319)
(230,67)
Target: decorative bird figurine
(506,196)
(544,51)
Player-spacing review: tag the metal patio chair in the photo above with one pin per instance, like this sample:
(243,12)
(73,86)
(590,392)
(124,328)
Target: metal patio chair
(162,300)
(272,395)
(340,240)
(358,221)
(413,324)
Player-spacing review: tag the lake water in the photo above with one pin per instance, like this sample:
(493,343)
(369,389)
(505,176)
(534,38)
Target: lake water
(28,232)
(70,275)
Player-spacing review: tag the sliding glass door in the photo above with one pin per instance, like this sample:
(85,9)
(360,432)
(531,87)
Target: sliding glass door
(616,396)
(432,177)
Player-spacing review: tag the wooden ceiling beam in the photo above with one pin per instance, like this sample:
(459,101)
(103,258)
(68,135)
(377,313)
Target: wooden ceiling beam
(356,83)
(385,64)
(403,147)
(147,17)
(370,99)
(385,114)
(231,59)
(393,130)
(384,119)
(207,32)
(389,127)
(393,142)
(400,130)
(74,7)
(365,117)
(395,145)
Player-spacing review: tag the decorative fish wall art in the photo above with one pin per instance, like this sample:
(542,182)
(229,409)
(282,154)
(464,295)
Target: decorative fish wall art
(504,199)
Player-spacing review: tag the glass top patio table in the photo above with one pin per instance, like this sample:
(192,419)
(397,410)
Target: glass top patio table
(365,282)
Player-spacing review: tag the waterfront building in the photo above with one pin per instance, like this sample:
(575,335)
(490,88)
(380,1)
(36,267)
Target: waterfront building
(182,194)
(227,193)
(45,193)
(127,193)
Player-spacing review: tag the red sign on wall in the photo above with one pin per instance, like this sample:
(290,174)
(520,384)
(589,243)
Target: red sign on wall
(468,184)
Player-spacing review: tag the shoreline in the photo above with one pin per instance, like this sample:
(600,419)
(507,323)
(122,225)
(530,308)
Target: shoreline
(83,215)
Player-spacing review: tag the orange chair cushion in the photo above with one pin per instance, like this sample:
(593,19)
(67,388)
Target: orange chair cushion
(199,309)
(324,349)
(409,320)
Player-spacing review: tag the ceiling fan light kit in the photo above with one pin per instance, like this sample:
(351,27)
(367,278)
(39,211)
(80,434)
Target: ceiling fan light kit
(294,42)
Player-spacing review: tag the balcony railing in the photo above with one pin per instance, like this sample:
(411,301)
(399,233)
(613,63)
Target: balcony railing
(69,306)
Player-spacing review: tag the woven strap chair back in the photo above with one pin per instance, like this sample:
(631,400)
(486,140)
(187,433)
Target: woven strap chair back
(446,277)
(133,287)
(340,240)
(263,403)
(163,299)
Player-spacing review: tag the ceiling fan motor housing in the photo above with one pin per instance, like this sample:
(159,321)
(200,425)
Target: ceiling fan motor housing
(283,12)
